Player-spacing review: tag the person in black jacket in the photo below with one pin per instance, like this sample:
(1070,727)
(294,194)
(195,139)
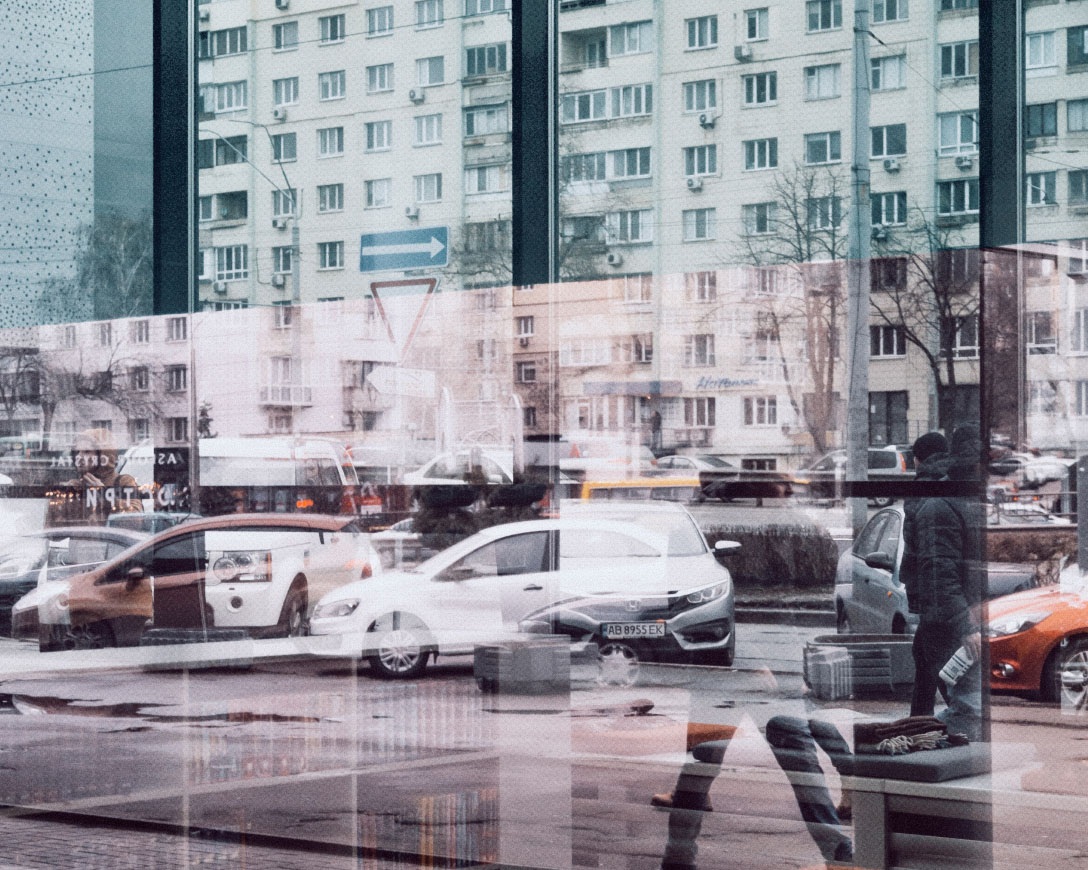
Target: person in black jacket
(947,580)
(931,462)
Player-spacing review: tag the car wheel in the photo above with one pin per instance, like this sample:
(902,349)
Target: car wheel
(617,664)
(401,651)
(93,635)
(722,658)
(292,622)
(882,501)
(1065,679)
(842,621)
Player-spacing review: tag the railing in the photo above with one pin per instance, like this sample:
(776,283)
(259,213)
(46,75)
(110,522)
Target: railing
(286,394)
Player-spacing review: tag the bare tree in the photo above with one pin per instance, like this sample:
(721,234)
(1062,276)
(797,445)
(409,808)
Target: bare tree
(18,376)
(926,284)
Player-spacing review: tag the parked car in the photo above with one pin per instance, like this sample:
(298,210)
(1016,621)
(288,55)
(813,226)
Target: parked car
(30,561)
(401,539)
(253,571)
(658,581)
(869,596)
(151,522)
(1039,640)
(496,466)
(822,479)
(1021,513)
(726,482)
(686,464)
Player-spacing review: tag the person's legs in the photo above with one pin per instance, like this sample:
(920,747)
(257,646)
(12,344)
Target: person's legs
(688,801)
(794,745)
(964,712)
(933,645)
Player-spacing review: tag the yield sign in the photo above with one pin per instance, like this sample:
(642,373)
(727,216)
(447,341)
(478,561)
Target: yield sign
(401,305)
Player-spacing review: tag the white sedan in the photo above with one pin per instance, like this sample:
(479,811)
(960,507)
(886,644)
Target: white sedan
(479,590)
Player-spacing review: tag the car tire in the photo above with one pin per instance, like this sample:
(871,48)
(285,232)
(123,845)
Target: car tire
(1065,677)
(722,657)
(617,663)
(292,621)
(93,635)
(882,501)
(401,647)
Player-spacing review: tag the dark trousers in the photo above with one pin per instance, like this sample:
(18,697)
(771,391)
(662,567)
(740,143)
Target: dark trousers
(934,643)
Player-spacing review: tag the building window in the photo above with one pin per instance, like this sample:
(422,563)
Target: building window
(1082,398)
(330,255)
(482,60)
(177,378)
(484,7)
(331,85)
(585,106)
(1078,340)
(1042,339)
(284,147)
(760,89)
(487,236)
(283,203)
(633,226)
(231,150)
(958,132)
(959,266)
(701,286)
(585,352)
(702,32)
(823,15)
(284,316)
(889,209)
(638,289)
(429,13)
(285,36)
(483,120)
(285,91)
(331,28)
(330,142)
(949,5)
(230,97)
(701,160)
(888,274)
(1078,257)
(585,167)
(231,263)
(139,430)
(823,148)
(177,429)
(700,224)
(699,411)
(71,336)
(630,163)
(379,78)
(959,336)
(889,140)
(379,135)
(634,38)
(1077,116)
(528,417)
(330,197)
(700,96)
(206,208)
(177,329)
(756,25)
(889,10)
(886,341)
(760,411)
(1039,54)
(281,259)
(487,179)
(632,100)
(232,206)
(1041,188)
(824,212)
(957,197)
(1078,186)
(699,350)
(1042,397)
(428,188)
(888,73)
(525,327)
(1041,119)
(526,372)
(760,154)
(428,129)
(379,22)
(822,82)
(430,71)
(378,192)
(140,379)
(219,43)
(758,218)
(140,332)
(959,60)
(638,349)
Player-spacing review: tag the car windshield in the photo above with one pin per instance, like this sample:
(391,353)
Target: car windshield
(684,537)
(19,555)
(715,461)
(883,459)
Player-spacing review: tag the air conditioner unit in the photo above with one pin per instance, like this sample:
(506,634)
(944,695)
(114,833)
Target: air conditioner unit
(279,114)
(219,286)
(411,212)
(695,183)
(204,14)
(279,223)
(742,52)
(279,281)
(523,340)
(614,259)
(965,161)
(282,4)
(707,119)
(416,95)
(880,234)
(891,164)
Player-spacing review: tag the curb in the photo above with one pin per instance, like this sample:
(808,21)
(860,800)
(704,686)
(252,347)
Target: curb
(784,616)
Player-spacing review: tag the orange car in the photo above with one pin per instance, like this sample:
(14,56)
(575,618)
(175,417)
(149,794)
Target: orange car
(1039,641)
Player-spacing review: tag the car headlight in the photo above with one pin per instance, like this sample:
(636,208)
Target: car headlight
(1006,625)
(243,566)
(708,594)
(336,609)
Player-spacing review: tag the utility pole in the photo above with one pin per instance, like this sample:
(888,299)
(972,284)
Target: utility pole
(859,240)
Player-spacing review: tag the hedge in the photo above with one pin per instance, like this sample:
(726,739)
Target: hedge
(780,556)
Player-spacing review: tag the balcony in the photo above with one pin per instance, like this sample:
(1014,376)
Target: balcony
(286,395)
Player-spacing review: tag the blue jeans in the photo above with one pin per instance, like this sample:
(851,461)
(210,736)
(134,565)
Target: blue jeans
(963,715)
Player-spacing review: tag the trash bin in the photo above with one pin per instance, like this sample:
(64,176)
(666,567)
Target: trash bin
(537,666)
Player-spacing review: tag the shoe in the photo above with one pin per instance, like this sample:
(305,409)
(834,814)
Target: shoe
(845,811)
(665,801)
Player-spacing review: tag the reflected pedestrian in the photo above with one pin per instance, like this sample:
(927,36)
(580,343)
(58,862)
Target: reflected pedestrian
(98,490)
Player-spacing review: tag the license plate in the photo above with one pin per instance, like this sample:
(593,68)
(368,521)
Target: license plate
(633,630)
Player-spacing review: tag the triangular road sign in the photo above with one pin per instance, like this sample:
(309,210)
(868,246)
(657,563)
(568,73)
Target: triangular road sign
(402,305)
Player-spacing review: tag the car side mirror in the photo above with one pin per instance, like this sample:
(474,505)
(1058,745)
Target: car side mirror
(721,547)
(133,577)
(880,560)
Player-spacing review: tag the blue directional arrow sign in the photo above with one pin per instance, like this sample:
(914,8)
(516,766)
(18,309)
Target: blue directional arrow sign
(404,249)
